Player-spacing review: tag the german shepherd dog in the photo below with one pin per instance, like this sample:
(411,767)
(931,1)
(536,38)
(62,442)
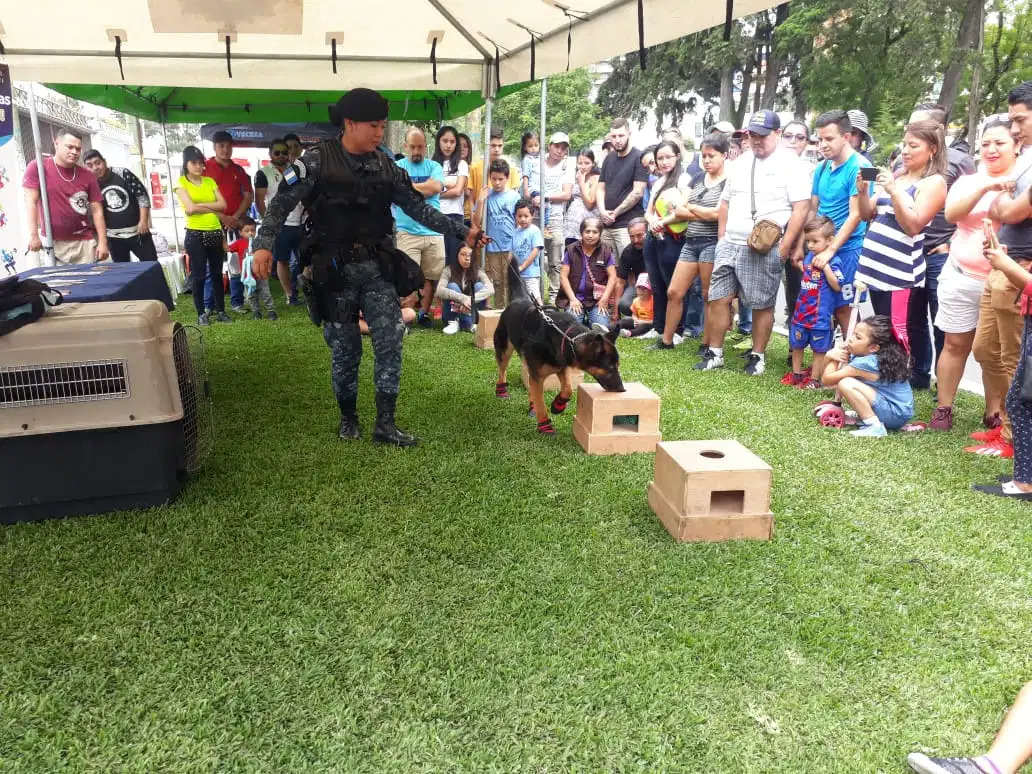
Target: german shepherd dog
(551,341)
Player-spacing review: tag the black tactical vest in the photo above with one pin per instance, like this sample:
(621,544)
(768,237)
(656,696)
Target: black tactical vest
(354,202)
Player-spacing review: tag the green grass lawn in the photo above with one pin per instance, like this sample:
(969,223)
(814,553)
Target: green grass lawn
(497,601)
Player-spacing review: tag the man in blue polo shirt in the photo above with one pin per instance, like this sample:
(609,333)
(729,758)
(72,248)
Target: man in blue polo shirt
(835,195)
(423,245)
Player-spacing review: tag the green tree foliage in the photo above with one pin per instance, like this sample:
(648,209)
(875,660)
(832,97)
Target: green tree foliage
(569,110)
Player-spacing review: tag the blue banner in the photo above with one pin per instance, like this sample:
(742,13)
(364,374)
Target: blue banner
(6,105)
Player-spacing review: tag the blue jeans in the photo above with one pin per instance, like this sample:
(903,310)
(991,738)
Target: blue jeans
(236,292)
(925,301)
(465,320)
(661,256)
(694,309)
(744,319)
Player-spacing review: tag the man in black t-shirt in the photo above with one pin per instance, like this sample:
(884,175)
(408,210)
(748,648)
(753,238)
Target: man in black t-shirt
(126,210)
(620,188)
(630,265)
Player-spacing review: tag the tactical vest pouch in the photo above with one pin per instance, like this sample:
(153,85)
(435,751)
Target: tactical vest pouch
(24,301)
(401,271)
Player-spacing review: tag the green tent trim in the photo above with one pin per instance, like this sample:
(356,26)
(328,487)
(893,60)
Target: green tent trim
(174,105)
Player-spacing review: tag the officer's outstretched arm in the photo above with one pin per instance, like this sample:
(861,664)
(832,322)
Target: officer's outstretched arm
(417,208)
(298,182)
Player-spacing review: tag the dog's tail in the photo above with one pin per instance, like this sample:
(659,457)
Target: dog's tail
(516,287)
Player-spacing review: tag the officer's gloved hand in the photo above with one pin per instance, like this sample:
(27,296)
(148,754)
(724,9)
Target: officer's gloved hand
(477,238)
(261,266)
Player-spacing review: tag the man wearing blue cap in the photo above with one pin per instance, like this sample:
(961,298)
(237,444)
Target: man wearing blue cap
(348,185)
(761,214)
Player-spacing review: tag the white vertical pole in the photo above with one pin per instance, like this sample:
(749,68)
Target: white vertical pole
(488,107)
(542,153)
(171,187)
(48,232)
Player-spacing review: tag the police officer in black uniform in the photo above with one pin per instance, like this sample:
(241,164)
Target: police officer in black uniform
(347,186)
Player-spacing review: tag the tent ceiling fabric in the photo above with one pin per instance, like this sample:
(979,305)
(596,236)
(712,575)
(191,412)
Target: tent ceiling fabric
(285,44)
(228,105)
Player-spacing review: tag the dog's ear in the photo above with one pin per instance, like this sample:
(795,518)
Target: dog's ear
(613,334)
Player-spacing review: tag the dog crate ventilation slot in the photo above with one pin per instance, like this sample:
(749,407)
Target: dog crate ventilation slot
(45,385)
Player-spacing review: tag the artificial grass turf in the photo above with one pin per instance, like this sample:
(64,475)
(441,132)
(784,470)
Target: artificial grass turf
(497,601)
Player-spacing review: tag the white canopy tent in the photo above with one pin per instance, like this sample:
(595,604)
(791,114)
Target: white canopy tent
(203,51)
(288,44)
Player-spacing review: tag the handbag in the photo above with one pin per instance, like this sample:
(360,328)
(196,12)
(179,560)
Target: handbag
(766,233)
(596,290)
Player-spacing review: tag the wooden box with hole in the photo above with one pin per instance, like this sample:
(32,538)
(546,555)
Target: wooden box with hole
(487,321)
(711,490)
(617,422)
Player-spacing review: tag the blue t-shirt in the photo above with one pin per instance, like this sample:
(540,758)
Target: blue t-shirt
(834,188)
(524,240)
(896,394)
(530,168)
(501,219)
(425,170)
(815,306)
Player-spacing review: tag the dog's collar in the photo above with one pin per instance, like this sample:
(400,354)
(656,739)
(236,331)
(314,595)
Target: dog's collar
(566,338)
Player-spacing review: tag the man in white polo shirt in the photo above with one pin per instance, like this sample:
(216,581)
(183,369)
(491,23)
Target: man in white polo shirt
(772,184)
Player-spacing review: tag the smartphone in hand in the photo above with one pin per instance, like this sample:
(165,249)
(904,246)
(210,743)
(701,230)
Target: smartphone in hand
(990,234)
(869,174)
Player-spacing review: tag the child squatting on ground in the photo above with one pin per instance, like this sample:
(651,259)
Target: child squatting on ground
(872,371)
(813,322)
(461,286)
(257,290)
(641,320)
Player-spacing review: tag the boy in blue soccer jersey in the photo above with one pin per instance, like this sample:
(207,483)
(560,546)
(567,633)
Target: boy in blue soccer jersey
(813,322)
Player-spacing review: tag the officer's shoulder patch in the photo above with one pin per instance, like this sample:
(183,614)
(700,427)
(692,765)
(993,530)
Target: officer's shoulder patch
(302,171)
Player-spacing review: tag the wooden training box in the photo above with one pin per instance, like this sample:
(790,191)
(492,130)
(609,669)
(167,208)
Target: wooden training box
(636,415)
(552,380)
(487,321)
(711,490)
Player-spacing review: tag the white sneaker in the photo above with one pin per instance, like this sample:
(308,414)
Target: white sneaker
(473,328)
(653,334)
(451,328)
(677,340)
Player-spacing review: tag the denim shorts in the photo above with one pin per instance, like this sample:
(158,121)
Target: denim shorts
(890,415)
(698,250)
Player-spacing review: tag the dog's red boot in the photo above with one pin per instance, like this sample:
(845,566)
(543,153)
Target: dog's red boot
(559,404)
(502,390)
(545,427)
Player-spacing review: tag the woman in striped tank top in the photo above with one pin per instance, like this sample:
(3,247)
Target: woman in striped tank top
(892,258)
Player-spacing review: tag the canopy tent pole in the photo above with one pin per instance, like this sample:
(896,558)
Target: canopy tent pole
(542,153)
(488,107)
(48,232)
(171,188)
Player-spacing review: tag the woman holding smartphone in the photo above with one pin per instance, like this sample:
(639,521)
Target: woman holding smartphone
(892,258)
(962,283)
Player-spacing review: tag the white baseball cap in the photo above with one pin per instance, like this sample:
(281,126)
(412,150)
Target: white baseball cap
(559,137)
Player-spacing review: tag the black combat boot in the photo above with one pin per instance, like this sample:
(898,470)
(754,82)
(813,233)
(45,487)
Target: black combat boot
(350,429)
(386,431)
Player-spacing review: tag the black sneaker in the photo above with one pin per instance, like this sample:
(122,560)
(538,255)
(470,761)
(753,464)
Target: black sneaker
(272,316)
(203,319)
(257,315)
(426,321)
(703,349)
(922,764)
(223,317)
(293,301)
(755,365)
(710,361)
(659,345)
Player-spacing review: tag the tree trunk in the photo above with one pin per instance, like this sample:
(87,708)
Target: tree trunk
(727,90)
(963,52)
(798,91)
(775,61)
(743,101)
